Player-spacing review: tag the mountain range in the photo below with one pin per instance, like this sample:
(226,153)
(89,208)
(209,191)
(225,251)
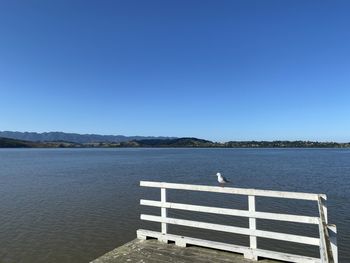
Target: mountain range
(10,139)
(73,137)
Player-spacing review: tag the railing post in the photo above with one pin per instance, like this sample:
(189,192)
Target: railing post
(324,208)
(332,231)
(328,242)
(323,248)
(252,227)
(164,226)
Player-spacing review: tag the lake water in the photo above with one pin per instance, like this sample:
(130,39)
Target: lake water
(73,205)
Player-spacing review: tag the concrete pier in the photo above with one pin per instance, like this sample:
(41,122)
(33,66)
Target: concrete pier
(153,251)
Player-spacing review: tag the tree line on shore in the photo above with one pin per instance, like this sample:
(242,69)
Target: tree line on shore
(170,143)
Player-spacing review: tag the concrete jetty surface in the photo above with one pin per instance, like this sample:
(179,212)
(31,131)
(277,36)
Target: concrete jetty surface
(153,251)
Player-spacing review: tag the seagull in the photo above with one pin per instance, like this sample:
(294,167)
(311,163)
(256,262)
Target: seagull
(222,180)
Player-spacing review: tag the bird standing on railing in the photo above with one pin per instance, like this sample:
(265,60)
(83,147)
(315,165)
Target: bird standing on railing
(221,179)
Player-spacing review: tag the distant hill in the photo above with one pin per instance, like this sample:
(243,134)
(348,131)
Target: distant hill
(72,137)
(11,143)
(178,142)
(71,140)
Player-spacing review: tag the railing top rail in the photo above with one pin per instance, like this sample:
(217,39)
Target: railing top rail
(231,190)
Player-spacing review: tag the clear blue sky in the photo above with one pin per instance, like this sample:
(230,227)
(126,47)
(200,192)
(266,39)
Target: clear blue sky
(220,70)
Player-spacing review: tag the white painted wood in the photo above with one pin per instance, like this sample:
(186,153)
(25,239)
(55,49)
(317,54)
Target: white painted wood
(233,229)
(288,237)
(140,235)
(230,190)
(252,227)
(327,241)
(163,210)
(180,242)
(332,230)
(323,246)
(326,252)
(285,256)
(324,208)
(196,242)
(231,248)
(196,224)
(233,212)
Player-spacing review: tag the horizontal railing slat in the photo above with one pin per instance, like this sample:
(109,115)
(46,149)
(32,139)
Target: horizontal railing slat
(195,241)
(230,190)
(285,256)
(233,229)
(233,212)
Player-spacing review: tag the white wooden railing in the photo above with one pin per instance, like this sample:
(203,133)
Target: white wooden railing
(326,241)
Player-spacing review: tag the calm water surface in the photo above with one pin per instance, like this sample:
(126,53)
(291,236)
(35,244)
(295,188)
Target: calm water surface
(72,205)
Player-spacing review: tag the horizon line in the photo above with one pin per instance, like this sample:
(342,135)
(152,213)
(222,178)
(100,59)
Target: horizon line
(179,137)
